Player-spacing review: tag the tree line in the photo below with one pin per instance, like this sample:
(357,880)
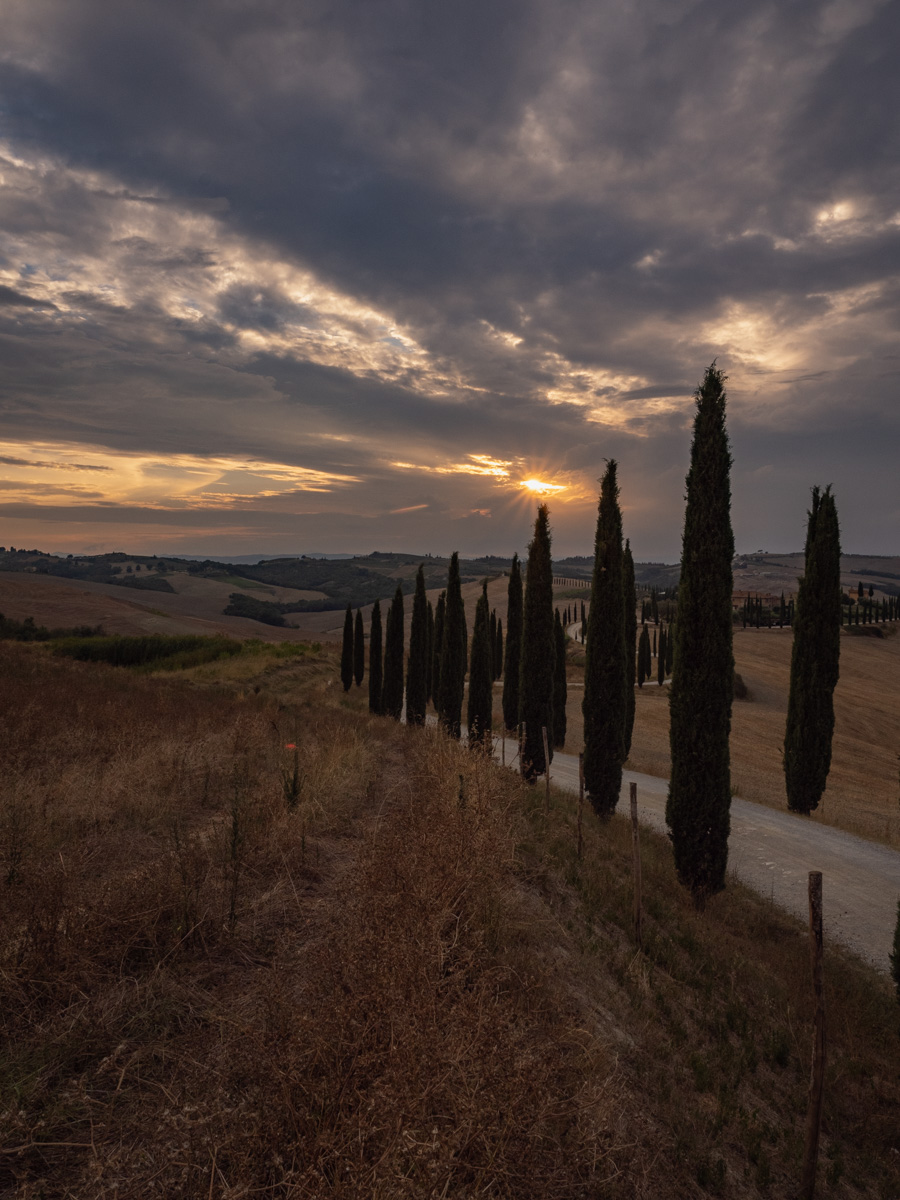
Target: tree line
(691,642)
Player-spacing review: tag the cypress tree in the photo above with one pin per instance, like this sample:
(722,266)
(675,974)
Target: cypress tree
(560,686)
(698,810)
(359,649)
(814,659)
(513,647)
(376,673)
(538,651)
(436,649)
(417,668)
(392,693)
(493,637)
(479,715)
(653,652)
(453,653)
(661,659)
(643,661)
(606,673)
(429,654)
(630,643)
(498,650)
(347,650)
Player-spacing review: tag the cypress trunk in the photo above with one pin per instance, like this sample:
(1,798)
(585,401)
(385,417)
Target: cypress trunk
(498,650)
(392,695)
(513,647)
(630,643)
(436,650)
(661,658)
(538,651)
(606,670)
(429,656)
(698,810)
(417,671)
(347,650)
(453,653)
(376,673)
(560,686)
(359,649)
(643,662)
(481,677)
(814,660)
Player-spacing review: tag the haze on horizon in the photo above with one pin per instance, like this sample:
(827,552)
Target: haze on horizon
(278,278)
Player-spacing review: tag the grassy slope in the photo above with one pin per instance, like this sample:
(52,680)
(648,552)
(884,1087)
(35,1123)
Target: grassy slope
(406,985)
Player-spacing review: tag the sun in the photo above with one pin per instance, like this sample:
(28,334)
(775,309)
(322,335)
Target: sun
(539,488)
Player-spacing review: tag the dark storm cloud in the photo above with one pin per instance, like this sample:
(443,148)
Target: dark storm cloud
(10,298)
(577,200)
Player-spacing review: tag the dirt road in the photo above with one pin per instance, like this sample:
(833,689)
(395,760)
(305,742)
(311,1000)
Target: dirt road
(773,852)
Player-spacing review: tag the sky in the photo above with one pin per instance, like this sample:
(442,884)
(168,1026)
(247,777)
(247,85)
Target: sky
(294,276)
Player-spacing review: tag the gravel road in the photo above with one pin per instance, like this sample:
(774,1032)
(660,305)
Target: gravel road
(773,852)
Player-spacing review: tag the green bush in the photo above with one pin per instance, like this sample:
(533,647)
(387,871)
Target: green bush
(173,653)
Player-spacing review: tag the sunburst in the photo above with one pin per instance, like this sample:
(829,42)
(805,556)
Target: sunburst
(538,487)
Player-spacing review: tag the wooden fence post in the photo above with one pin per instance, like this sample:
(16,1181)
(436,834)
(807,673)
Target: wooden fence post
(546,767)
(817,1074)
(580,805)
(521,759)
(636,848)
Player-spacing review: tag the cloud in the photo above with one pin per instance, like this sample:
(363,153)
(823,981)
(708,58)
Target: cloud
(396,235)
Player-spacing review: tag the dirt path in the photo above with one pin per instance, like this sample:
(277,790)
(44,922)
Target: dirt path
(773,852)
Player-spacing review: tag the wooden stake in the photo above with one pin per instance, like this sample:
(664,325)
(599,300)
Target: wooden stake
(817,1075)
(521,758)
(580,805)
(636,848)
(546,767)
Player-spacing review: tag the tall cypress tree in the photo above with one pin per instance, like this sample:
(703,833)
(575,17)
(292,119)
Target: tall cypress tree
(630,647)
(606,673)
(417,670)
(437,644)
(493,637)
(429,674)
(538,651)
(698,810)
(513,646)
(661,658)
(359,649)
(376,671)
(481,676)
(498,650)
(347,650)
(560,685)
(392,694)
(453,653)
(643,661)
(814,659)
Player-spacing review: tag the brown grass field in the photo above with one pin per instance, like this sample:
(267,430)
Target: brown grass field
(376,968)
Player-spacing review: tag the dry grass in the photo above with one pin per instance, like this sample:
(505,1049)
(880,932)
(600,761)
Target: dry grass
(713,1022)
(394,980)
(206,991)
